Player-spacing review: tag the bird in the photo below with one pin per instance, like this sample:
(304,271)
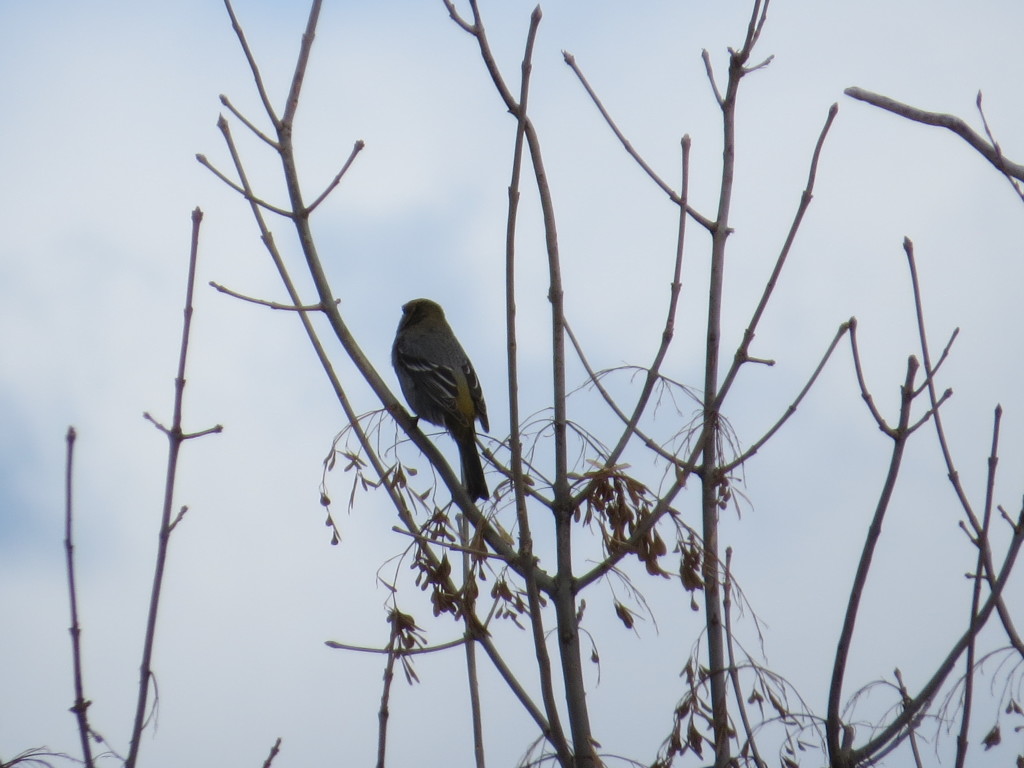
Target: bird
(440,384)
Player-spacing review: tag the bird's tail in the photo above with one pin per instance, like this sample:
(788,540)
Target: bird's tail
(472,468)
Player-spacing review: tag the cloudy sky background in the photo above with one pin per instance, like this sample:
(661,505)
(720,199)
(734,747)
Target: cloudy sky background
(106,105)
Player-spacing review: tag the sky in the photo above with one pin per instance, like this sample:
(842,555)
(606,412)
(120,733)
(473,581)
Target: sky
(106,106)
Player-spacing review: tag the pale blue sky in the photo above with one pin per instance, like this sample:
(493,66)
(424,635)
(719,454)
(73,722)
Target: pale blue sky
(106,104)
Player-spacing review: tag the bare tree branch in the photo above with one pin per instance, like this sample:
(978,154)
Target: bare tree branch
(247,194)
(274,750)
(734,673)
(175,438)
(265,303)
(941,120)
(539,635)
(962,742)
(627,145)
(248,123)
(256,76)
(947,455)
(998,150)
(356,149)
(667,333)
(833,724)
(743,457)
(81,705)
(742,353)
(912,709)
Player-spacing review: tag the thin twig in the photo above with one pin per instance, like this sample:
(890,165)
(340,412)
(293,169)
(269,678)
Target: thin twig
(273,753)
(447,545)
(743,457)
(706,57)
(81,705)
(962,741)
(246,122)
(175,438)
(458,18)
(942,358)
(264,303)
(734,673)
(247,194)
(930,413)
(384,713)
(667,334)
(672,194)
(398,652)
(998,150)
(911,730)
(356,149)
(862,382)
(256,76)
(471,624)
(742,353)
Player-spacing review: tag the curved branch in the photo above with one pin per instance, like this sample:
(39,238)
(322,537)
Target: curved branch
(941,120)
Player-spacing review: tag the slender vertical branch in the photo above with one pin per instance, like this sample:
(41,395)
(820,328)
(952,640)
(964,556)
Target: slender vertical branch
(384,713)
(257,77)
(710,476)
(274,752)
(564,588)
(838,752)
(947,454)
(292,104)
(175,437)
(81,706)
(911,733)
(515,439)
(962,742)
(468,588)
(734,672)
(667,333)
